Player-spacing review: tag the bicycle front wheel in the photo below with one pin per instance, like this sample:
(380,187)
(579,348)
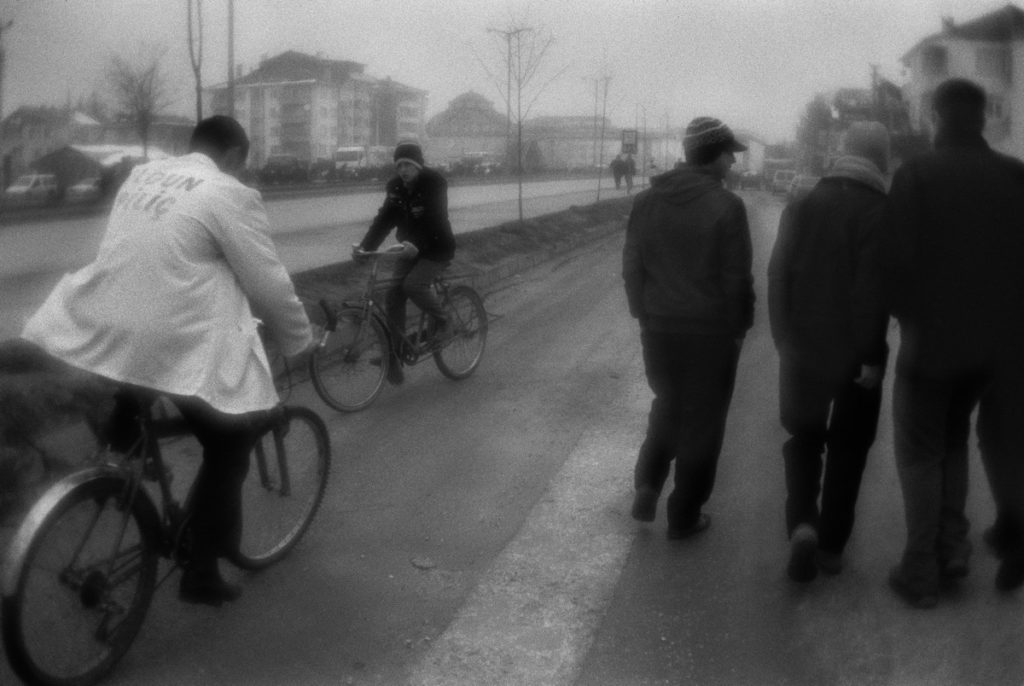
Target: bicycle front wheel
(287,476)
(76,597)
(460,356)
(348,372)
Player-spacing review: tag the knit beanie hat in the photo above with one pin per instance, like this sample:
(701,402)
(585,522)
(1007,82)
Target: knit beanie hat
(870,140)
(704,132)
(409,152)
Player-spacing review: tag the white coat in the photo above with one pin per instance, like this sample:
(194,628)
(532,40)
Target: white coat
(169,301)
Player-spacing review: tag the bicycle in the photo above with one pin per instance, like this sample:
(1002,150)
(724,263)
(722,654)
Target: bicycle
(83,566)
(351,362)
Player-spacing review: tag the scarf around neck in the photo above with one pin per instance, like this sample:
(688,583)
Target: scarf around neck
(859,169)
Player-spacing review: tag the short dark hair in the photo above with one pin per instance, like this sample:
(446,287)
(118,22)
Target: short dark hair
(218,134)
(706,154)
(960,105)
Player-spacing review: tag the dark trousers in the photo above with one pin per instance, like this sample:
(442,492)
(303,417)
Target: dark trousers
(692,377)
(227,441)
(932,425)
(1001,440)
(414,281)
(836,416)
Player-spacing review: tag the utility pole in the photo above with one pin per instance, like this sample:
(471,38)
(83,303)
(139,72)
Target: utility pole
(3,27)
(508,34)
(231,58)
(604,115)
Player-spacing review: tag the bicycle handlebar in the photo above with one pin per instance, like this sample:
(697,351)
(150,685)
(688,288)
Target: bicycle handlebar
(396,249)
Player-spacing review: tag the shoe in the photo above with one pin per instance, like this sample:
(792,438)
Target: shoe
(678,533)
(828,563)
(1010,575)
(803,543)
(953,568)
(645,504)
(207,589)
(997,540)
(922,600)
(395,374)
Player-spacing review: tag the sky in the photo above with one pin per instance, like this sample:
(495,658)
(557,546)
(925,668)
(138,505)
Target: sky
(753,63)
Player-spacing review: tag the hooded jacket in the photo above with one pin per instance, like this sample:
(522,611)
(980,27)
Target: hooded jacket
(420,213)
(825,298)
(687,258)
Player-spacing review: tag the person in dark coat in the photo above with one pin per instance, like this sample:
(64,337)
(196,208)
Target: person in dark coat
(617,167)
(953,250)
(687,271)
(416,203)
(629,171)
(828,320)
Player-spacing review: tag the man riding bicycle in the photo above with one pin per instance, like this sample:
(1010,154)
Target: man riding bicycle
(170,305)
(416,203)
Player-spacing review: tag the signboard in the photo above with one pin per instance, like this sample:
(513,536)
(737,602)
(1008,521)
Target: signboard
(629,143)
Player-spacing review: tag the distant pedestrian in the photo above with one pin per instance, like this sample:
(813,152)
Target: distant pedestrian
(687,271)
(629,171)
(953,249)
(829,319)
(618,169)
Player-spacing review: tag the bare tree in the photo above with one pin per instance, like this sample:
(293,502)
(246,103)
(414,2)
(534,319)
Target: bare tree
(141,89)
(195,50)
(522,53)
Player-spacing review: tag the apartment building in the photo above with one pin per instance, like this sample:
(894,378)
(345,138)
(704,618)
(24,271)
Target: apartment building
(309,106)
(988,50)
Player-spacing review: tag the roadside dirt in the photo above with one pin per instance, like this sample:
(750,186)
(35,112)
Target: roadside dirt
(45,410)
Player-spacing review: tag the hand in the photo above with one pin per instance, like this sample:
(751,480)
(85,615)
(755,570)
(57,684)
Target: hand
(870,376)
(358,254)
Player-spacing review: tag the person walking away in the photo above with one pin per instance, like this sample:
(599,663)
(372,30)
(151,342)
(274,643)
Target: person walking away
(416,202)
(617,171)
(170,304)
(687,272)
(953,252)
(629,171)
(828,320)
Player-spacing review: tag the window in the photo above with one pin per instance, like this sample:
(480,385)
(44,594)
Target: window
(994,109)
(993,63)
(934,60)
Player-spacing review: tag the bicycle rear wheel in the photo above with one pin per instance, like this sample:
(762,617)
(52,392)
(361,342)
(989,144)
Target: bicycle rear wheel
(461,355)
(283,489)
(83,571)
(348,372)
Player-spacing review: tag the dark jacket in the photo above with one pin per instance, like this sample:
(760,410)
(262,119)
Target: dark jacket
(687,258)
(953,251)
(825,299)
(419,213)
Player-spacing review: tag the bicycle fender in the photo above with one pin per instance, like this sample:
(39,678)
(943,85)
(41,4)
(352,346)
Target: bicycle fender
(37,514)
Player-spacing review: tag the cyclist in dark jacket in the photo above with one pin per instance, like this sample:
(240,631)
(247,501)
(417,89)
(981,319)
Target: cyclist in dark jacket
(686,266)
(828,319)
(417,204)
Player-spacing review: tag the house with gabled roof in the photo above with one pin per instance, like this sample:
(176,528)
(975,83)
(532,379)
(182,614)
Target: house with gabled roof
(988,50)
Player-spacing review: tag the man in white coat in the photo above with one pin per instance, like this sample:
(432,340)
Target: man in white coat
(170,304)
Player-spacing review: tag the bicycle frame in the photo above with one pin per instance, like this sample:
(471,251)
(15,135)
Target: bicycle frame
(411,347)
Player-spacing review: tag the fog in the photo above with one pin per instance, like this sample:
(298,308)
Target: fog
(753,63)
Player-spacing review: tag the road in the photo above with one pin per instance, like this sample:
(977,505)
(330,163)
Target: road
(478,533)
(308,232)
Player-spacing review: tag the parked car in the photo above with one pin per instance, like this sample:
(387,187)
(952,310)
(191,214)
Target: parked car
(781,180)
(86,190)
(31,189)
(801,186)
(750,179)
(284,169)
